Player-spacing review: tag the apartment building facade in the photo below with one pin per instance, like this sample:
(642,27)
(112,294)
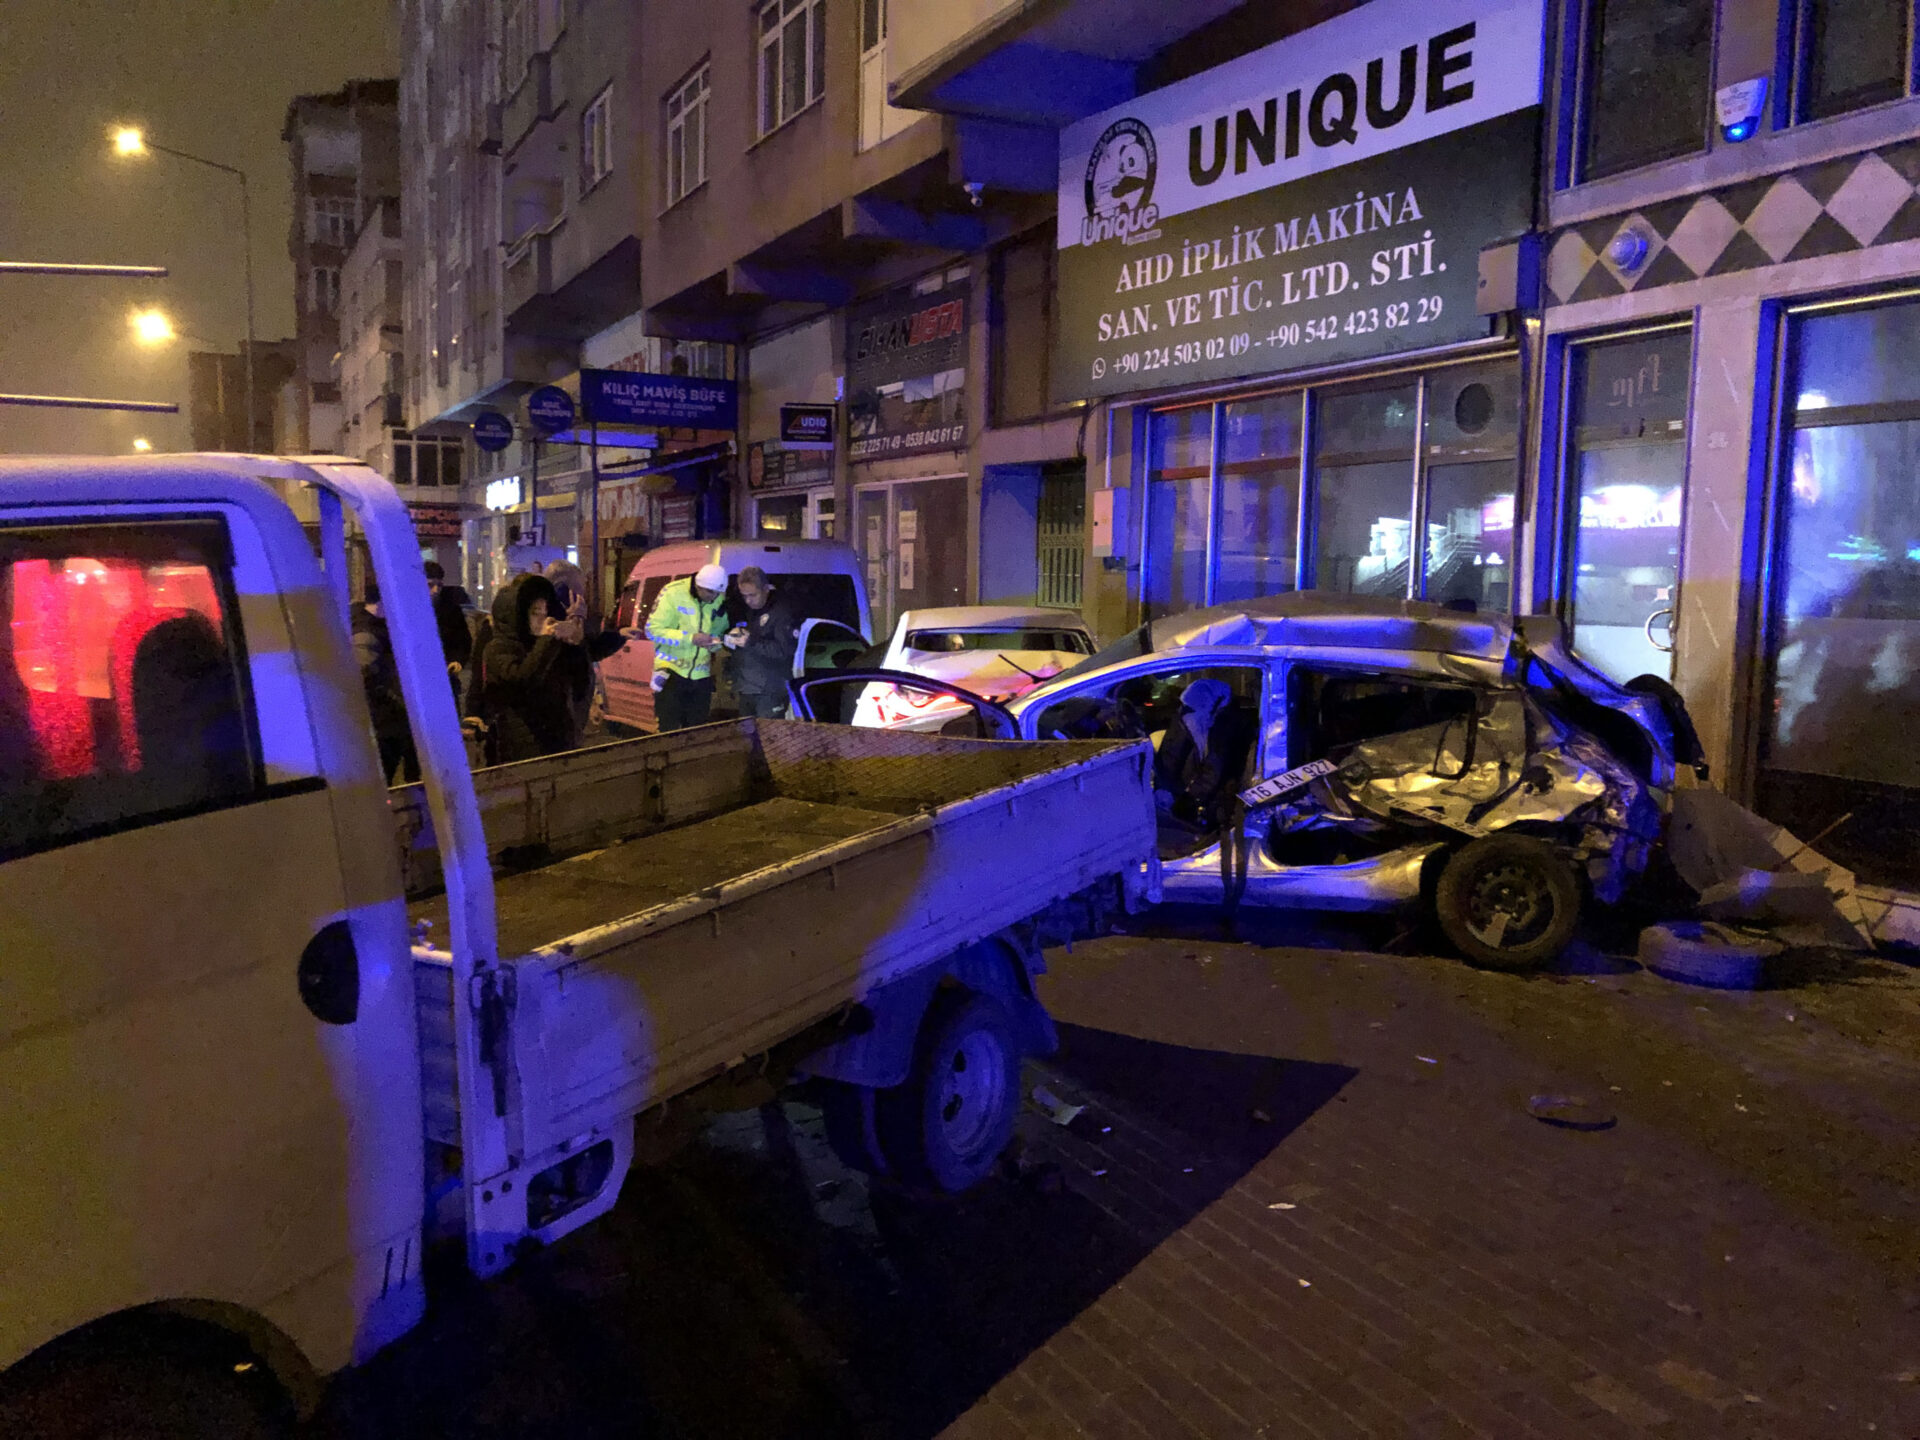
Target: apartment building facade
(1599,308)
(343,149)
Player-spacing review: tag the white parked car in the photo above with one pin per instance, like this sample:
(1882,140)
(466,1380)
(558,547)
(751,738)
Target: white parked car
(995,651)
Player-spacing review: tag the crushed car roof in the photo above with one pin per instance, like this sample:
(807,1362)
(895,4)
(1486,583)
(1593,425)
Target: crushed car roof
(1355,622)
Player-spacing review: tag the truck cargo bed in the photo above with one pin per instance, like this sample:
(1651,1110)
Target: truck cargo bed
(534,908)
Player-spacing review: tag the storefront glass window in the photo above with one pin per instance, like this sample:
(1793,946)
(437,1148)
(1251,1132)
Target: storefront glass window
(1258,546)
(1628,475)
(1180,445)
(1473,422)
(1363,445)
(1845,633)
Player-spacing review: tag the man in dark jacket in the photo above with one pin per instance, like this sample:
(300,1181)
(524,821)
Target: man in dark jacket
(762,644)
(380,675)
(523,693)
(450,619)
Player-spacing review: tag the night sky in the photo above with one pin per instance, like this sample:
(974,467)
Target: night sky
(211,77)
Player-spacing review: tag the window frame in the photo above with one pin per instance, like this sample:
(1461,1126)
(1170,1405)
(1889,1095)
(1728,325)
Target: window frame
(774,21)
(686,108)
(216,554)
(334,221)
(1584,43)
(330,305)
(1796,66)
(596,140)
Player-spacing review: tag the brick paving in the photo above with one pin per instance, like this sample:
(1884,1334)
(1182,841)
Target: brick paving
(1306,1198)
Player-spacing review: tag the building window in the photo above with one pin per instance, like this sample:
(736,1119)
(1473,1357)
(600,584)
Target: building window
(1851,54)
(326,289)
(687,135)
(793,60)
(1646,72)
(333,217)
(596,140)
(1626,480)
(126,700)
(1843,632)
(1232,514)
(873,25)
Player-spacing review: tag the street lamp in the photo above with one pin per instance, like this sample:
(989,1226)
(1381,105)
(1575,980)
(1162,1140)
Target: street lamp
(131,143)
(151,327)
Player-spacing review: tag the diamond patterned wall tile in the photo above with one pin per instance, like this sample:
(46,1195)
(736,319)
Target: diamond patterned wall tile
(1743,252)
(1872,192)
(1905,224)
(1703,233)
(1782,218)
(1567,264)
(1826,236)
(1833,207)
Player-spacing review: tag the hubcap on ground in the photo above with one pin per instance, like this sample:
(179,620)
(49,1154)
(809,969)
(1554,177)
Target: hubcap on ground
(972,1091)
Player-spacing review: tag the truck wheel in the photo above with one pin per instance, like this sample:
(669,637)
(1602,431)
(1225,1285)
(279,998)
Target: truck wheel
(1508,902)
(946,1126)
(136,1391)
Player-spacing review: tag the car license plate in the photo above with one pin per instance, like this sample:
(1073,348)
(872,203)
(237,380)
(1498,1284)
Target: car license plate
(1270,790)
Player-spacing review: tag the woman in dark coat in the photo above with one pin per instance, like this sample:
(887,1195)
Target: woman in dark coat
(523,688)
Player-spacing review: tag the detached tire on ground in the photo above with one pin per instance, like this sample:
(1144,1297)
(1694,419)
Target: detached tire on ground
(1702,953)
(945,1127)
(1508,902)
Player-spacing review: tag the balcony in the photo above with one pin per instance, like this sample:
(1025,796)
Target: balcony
(535,99)
(1033,62)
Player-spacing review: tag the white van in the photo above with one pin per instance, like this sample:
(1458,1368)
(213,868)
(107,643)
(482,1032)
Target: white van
(820,579)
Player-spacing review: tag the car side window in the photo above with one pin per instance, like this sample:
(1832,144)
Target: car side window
(649,592)
(123,693)
(1329,712)
(625,615)
(1141,704)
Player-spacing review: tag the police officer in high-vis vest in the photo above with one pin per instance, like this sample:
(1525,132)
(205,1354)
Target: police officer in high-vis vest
(686,627)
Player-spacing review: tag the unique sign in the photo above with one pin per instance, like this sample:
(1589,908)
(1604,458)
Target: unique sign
(549,409)
(907,370)
(492,431)
(1322,199)
(436,522)
(633,397)
(771,466)
(504,493)
(807,427)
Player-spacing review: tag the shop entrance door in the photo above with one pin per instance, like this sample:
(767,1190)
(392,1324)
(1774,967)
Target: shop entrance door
(1626,478)
(912,539)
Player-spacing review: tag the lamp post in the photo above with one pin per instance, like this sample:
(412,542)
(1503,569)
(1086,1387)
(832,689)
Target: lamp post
(133,143)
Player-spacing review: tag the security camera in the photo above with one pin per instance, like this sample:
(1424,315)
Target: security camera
(1740,107)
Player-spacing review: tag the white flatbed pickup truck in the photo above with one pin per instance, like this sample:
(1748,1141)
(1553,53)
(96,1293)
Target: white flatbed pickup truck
(266,1027)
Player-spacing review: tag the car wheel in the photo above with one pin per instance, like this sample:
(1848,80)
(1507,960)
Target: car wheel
(1508,902)
(1702,953)
(946,1126)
